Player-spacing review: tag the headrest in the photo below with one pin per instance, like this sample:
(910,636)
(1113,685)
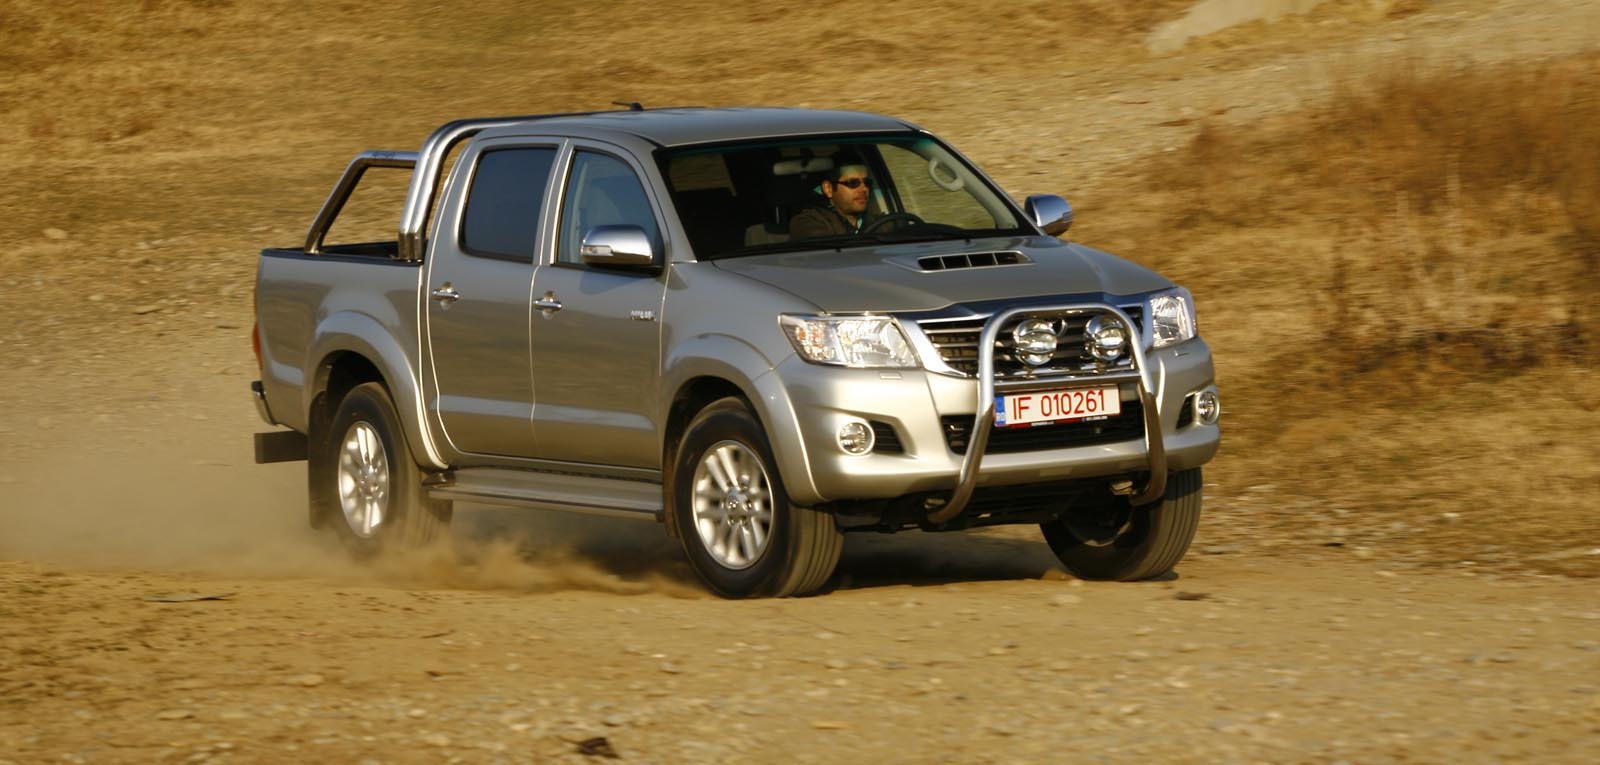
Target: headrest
(798,166)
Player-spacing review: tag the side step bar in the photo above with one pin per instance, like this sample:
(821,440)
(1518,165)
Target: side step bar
(591,495)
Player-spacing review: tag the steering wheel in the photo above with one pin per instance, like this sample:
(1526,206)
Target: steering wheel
(892,218)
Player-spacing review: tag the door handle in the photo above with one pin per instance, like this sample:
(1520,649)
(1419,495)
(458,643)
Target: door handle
(547,304)
(446,294)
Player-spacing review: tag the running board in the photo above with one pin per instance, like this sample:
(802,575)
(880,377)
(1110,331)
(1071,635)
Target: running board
(592,495)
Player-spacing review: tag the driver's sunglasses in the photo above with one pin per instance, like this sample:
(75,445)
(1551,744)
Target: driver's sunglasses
(854,183)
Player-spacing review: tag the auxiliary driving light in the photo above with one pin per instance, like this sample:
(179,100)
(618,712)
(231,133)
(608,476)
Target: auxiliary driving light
(1035,341)
(1207,408)
(855,438)
(1105,338)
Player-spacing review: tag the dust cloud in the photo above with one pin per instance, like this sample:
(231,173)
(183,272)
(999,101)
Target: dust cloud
(195,500)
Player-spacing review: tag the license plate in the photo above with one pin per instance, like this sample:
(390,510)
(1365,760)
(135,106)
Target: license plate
(1043,406)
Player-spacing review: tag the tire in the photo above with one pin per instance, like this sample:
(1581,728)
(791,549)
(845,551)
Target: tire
(1111,541)
(743,540)
(364,484)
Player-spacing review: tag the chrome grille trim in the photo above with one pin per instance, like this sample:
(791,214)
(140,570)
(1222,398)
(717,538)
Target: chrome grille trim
(949,346)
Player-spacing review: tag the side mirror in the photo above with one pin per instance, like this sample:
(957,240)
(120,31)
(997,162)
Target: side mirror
(1049,212)
(618,247)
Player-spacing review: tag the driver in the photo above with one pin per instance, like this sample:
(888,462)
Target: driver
(846,187)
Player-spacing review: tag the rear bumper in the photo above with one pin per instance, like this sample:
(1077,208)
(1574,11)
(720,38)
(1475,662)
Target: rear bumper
(260,395)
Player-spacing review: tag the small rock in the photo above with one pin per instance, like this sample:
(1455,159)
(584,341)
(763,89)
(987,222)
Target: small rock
(670,668)
(146,309)
(55,233)
(97,297)
(174,714)
(310,680)
(597,747)
(830,724)
(614,721)
(1192,595)
(836,664)
(436,739)
(1065,599)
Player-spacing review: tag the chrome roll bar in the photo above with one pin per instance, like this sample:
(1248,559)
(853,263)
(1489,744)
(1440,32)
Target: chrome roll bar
(1155,446)
(424,188)
(347,183)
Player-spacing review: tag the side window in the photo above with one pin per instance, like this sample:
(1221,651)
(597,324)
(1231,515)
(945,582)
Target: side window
(602,191)
(922,195)
(504,203)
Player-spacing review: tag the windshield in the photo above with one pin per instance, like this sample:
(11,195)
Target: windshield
(838,192)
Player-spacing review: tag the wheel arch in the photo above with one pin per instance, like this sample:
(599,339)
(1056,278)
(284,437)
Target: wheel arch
(351,349)
(720,366)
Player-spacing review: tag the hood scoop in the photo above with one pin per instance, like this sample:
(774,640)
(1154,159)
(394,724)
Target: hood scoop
(972,260)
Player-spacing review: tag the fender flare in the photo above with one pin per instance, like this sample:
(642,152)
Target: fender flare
(361,334)
(737,361)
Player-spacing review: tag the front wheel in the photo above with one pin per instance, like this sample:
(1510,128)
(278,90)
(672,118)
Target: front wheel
(740,531)
(364,482)
(1111,541)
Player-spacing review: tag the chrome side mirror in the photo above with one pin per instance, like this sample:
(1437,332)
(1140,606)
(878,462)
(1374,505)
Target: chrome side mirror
(1049,212)
(617,246)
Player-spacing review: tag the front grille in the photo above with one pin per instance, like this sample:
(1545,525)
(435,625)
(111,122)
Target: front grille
(1061,435)
(956,340)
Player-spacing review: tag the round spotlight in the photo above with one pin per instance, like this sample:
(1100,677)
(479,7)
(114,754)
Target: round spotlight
(1207,408)
(1105,338)
(1035,341)
(856,438)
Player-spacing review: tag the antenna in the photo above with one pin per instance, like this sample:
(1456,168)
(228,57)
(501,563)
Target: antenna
(633,106)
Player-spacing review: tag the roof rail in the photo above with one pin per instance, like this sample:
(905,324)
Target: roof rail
(425,179)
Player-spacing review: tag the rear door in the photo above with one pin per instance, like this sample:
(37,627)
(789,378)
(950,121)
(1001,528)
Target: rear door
(477,295)
(597,357)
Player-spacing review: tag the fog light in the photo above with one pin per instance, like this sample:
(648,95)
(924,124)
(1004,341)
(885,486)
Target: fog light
(1207,408)
(855,438)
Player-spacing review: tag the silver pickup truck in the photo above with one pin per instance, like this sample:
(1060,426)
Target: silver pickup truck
(762,327)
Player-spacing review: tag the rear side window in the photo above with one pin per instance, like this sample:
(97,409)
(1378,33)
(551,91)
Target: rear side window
(503,205)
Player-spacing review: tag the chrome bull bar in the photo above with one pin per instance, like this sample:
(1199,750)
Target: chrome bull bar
(1155,447)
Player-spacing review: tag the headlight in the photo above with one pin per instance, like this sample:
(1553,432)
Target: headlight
(856,341)
(1171,317)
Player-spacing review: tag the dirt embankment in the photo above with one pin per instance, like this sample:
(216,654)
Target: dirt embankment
(1382,208)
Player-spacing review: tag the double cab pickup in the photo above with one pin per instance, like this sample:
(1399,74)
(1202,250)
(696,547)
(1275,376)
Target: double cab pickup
(764,328)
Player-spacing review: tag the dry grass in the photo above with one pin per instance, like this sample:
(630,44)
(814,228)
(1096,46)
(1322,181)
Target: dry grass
(1405,278)
(1462,206)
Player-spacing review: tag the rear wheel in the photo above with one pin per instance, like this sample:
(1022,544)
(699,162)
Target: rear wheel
(364,483)
(740,531)
(1111,540)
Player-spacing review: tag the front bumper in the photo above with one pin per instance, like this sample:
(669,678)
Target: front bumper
(821,400)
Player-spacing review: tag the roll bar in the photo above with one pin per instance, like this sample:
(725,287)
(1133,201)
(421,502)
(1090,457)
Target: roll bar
(424,188)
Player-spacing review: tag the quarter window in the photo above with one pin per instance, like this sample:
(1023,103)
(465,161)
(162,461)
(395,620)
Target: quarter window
(602,191)
(504,203)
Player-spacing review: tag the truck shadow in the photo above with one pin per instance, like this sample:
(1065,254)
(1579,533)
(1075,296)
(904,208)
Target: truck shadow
(636,550)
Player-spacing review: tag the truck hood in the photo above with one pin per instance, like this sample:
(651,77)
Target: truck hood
(892,278)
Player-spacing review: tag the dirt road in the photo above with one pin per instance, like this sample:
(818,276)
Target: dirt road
(932,651)
(1300,629)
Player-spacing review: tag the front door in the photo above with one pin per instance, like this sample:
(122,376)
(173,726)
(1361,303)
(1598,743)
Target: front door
(597,357)
(479,277)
